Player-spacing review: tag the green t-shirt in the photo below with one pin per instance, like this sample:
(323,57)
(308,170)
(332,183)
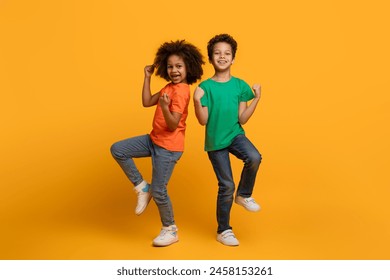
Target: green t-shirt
(222,100)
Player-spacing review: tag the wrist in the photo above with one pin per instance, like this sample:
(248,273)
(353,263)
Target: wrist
(164,107)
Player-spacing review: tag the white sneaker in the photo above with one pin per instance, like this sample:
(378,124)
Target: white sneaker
(143,197)
(227,238)
(248,203)
(167,236)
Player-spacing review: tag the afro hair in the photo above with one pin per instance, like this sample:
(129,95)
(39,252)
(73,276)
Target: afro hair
(190,54)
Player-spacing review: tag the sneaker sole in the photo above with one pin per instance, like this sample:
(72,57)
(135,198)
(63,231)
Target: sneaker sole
(156,244)
(231,245)
(248,209)
(143,209)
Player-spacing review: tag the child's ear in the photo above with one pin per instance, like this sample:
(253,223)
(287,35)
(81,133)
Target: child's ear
(232,61)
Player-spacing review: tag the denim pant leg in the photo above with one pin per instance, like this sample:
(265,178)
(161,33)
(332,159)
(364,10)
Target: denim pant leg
(124,151)
(222,168)
(244,150)
(164,162)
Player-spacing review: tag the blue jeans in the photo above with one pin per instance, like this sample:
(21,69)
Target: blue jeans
(163,162)
(244,150)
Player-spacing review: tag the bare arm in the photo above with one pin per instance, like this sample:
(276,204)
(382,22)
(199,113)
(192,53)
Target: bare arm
(202,113)
(148,99)
(245,111)
(172,119)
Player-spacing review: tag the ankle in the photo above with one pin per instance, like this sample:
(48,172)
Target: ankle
(143,186)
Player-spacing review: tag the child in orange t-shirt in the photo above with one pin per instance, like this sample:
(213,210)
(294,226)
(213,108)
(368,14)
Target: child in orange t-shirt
(180,63)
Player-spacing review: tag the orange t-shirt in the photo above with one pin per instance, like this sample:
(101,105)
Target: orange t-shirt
(161,135)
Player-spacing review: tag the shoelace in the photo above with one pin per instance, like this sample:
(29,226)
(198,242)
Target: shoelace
(250,200)
(164,231)
(140,194)
(228,234)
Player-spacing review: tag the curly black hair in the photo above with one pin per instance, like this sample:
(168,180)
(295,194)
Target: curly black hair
(221,38)
(191,55)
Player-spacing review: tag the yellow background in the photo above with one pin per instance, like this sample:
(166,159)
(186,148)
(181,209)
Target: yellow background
(71,74)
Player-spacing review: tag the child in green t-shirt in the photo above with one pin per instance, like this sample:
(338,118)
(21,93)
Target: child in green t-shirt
(221,104)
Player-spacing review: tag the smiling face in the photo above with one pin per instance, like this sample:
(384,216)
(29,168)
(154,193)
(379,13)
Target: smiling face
(222,56)
(176,69)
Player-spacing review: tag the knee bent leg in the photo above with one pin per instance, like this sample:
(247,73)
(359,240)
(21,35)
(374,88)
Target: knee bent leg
(254,159)
(115,151)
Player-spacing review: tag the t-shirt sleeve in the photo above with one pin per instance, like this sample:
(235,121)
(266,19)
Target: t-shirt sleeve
(164,89)
(180,99)
(204,100)
(246,92)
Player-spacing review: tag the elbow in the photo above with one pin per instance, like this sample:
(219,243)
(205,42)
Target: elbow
(202,122)
(145,104)
(242,121)
(172,127)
